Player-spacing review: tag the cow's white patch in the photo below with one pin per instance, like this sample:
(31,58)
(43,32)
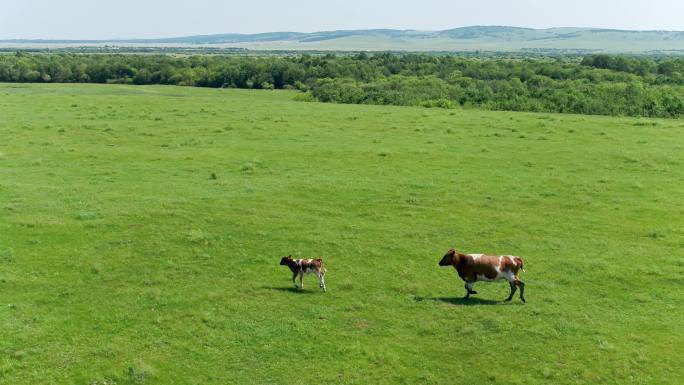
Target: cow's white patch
(476,256)
(498,267)
(508,276)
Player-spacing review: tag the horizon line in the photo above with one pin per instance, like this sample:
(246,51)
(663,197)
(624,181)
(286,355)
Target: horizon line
(331,30)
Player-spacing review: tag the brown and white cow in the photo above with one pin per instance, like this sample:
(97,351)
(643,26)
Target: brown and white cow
(480,267)
(305,266)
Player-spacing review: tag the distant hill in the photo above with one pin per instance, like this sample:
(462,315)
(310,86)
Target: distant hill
(475,38)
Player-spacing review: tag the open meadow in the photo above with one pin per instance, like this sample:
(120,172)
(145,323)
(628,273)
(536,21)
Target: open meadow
(141,229)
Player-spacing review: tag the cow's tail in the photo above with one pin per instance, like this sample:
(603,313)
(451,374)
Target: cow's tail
(519,262)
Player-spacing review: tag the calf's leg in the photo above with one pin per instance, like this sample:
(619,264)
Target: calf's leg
(321,280)
(294,282)
(301,280)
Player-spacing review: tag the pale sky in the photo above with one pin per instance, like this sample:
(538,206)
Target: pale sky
(92,19)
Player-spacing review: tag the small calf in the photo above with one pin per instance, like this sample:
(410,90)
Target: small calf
(305,266)
(479,267)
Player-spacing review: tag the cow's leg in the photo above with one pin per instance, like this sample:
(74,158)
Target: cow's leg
(294,282)
(469,289)
(522,288)
(514,287)
(301,280)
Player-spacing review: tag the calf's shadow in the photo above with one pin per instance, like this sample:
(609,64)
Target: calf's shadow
(290,290)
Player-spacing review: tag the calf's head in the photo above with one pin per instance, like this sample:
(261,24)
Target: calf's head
(286,260)
(448,258)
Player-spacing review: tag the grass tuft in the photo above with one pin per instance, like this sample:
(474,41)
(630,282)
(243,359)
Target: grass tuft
(88,216)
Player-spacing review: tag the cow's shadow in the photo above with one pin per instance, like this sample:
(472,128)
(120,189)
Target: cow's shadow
(472,301)
(290,290)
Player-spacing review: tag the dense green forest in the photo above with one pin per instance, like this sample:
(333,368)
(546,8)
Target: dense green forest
(597,84)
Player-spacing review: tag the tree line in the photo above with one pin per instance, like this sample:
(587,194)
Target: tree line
(596,84)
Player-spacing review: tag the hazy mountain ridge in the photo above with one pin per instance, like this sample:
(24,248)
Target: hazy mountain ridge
(495,38)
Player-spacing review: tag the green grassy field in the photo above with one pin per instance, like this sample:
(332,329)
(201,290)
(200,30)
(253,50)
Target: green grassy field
(123,261)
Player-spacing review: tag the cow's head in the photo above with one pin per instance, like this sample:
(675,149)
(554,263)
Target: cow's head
(448,258)
(286,260)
